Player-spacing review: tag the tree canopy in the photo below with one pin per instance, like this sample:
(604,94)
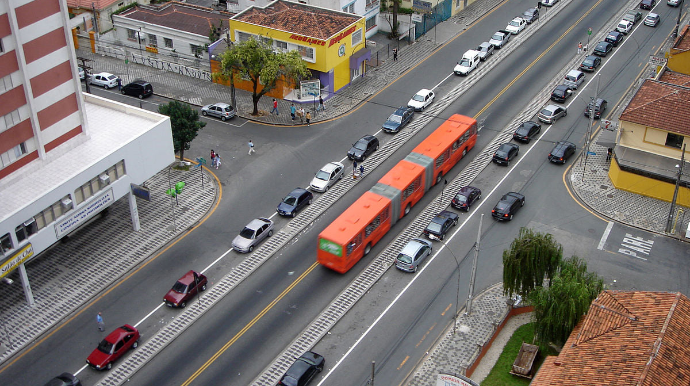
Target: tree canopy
(258,62)
(185,124)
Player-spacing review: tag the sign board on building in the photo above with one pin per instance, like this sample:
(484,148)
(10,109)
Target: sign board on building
(309,89)
(657,60)
(422,6)
(17,259)
(84,213)
(454,380)
(417,18)
(609,125)
(143,192)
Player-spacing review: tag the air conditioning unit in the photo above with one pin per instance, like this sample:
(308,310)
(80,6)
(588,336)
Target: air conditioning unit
(66,204)
(104,180)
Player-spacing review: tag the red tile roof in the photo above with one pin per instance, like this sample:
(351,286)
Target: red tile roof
(180,16)
(302,19)
(682,43)
(627,338)
(661,105)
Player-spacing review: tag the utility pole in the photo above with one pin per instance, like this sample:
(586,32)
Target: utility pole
(591,124)
(474,266)
(680,11)
(229,45)
(669,221)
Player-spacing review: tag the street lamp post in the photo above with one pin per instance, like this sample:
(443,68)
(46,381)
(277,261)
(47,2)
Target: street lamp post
(669,221)
(474,266)
(457,292)
(680,11)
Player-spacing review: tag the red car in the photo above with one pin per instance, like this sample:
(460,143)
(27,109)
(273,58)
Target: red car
(113,347)
(185,289)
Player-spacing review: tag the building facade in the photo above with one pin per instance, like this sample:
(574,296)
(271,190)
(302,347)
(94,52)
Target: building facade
(99,11)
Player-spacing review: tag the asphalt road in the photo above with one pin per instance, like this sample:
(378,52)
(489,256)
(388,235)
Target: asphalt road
(287,157)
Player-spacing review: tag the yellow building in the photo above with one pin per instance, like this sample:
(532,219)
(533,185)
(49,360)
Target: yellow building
(331,42)
(679,54)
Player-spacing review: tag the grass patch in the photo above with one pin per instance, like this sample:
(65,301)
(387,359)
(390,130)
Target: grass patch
(500,374)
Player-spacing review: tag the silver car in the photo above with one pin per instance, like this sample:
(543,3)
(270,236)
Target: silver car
(551,113)
(219,110)
(331,173)
(412,255)
(257,230)
(485,49)
(104,79)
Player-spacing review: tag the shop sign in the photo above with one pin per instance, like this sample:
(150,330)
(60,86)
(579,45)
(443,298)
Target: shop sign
(450,380)
(307,40)
(89,210)
(342,35)
(17,259)
(310,89)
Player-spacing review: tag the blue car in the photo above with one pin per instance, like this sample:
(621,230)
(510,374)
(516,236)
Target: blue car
(294,202)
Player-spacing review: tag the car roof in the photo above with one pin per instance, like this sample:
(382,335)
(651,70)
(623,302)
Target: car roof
(297,192)
(368,137)
(413,246)
(119,332)
(257,222)
(329,167)
(507,144)
(400,110)
(551,108)
(512,196)
(471,53)
(652,14)
(518,18)
(188,277)
(467,189)
(139,81)
(220,104)
(486,44)
(562,86)
(574,73)
(104,74)
(423,91)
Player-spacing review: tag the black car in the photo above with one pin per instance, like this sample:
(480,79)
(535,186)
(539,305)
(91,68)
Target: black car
(647,4)
(526,131)
(598,106)
(590,63)
(614,37)
(505,153)
(561,152)
(507,206)
(303,370)
(441,224)
(561,93)
(531,15)
(294,202)
(363,148)
(603,48)
(64,379)
(139,88)
(464,199)
(401,117)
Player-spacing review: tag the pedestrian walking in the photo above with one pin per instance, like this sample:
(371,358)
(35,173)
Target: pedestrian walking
(579,48)
(218,159)
(275,106)
(361,170)
(354,168)
(395,54)
(301,115)
(251,147)
(119,84)
(584,48)
(213,158)
(609,154)
(308,117)
(320,106)
(100,323)
(293,110)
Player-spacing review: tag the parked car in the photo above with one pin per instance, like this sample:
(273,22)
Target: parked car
(624,26)
(252,234)
(561,152)
(363,148)
(549,3)
(507,206)
(574,78)
(516,25)
(651,20)
(500,38)
(598,106)
(647,4)
(673,3)
(294,202)
(485,49)
(331,173)
(551,113)
(633,16)
(465,197)
(223,111)
(82,76)
(114,346)
(413,254)
(505,153)
(396,121)
(64,379)
(441,224)
(105,80)
(303,370)
(561,93)
(185,288)
(421,99)
(602,48)
(526,131)
(590,63)
(614,37)
(469,62)
(138,88)
(531,15)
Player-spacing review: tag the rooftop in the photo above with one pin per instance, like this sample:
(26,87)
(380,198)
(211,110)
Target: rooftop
(662,105)
(180,16)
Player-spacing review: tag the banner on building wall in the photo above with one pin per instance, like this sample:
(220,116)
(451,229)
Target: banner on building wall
(84,213)
(309,89)
(172,67)
(17,259)
(451,380)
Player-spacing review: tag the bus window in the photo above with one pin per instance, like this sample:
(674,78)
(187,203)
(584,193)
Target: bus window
(372,226)
(354,243)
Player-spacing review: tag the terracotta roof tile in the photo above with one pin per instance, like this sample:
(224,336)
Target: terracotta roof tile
(675,78)
(180,16)
(661,105)
(302,19)
(683,41)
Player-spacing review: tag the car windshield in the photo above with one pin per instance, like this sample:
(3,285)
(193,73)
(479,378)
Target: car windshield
(395,118)
(322,175)
(180,287)
(611,37)
(465,62)
(404,259)
(515,23)
(501,153)
(247,233)
(460,198)
(434,227)
(601,47)
(483,48)
(360,145)
(588,62)
(105,347)
(522,130)
(546,112)
(418,98)
(497,36)
(289,200)
(528,14)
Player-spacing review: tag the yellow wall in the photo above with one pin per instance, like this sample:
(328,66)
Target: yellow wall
(341,76)
(679,61)
(646,186)
(648,139)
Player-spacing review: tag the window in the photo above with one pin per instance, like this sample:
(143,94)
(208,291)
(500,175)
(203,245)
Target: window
(412,188)
(281,45)
(5,243)
(440,159)
(12,118)
(351,8)
(196,50)
(371,23)
(353,244)
(372,226)
(356,37)
(306,52)
(131,34)
(674,140)
(242,36)
(168,43)
(1,49)
(20,150)
(6,83)
(153,40)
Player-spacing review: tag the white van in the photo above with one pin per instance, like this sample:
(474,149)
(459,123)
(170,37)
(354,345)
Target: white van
(468,62)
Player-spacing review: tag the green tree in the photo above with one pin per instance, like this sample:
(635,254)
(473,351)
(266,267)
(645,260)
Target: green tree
(258,62)
(532,257)
(559,307)
(185,124)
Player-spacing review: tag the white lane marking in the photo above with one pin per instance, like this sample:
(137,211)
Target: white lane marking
(605,236)
(80,370)
(632,245)
(216,260)
(441,82)
(149,314)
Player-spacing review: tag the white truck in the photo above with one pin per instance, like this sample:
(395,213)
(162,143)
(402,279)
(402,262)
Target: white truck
(500,38)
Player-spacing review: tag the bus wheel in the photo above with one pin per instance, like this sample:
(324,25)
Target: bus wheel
(407,209)
(439,177)
(464,152)
(367,249)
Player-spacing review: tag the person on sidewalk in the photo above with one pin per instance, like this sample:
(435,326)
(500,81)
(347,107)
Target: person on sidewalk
(293,110)
(100,323)
(119,84)
(395,54)
(251,147)
(320,106)
(579,48)
(213,158)
(308,117)
(275,106)
(354,168)
(218,159)
(301,115)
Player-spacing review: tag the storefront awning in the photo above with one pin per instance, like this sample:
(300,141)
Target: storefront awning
(607,138)
(358,57)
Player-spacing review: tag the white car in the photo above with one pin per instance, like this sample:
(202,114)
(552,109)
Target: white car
(549,3)
(331,173)
(516,25)
(421,99)
(105,80)
(468,62)
(82,74)
(624,27)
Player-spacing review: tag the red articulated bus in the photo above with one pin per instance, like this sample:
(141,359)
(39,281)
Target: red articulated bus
(352,235)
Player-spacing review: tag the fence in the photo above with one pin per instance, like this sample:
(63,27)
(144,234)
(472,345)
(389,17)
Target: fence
(441,12)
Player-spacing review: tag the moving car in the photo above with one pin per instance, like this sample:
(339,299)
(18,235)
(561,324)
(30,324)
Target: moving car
(412,255)
(465,197)
(219,110)
(82,76)
(363,148)
(294,202)
(64,379)
(561,93)
(138,88)
(421,100)
(505,153)
(624,26)
(561,152)
(647,4)
(469,62)
(531,15)
(516,25)
(114,346)
(526,131)
(507,206)
(252,234)
(551,113)
(441,224)
(673,3)
(602,48)
(396,121)
(485,49)
(105,80)
(303,370)
(614,37)
(185,289)
(574,78)
(500,38)
(651,20)
(549,3)
(599,106)
(633,16)
(331,173)
(590,63)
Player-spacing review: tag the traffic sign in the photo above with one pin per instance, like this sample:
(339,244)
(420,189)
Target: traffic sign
(591,153)
(657,60)
(609,125)
(589,31)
